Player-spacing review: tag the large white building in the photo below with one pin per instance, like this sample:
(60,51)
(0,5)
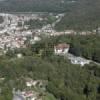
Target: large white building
(62,48)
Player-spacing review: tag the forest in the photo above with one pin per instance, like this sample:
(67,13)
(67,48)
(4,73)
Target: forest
(82,17)
(80,14)
(65,80)
(33,5)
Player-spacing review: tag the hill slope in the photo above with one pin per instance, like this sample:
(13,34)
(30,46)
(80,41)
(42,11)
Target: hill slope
(84,16)
(80,14)
(33,5)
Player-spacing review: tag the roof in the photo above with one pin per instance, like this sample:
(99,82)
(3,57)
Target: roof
(28,94)
(62,46)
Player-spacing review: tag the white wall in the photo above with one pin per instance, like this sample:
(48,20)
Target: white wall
(60,51)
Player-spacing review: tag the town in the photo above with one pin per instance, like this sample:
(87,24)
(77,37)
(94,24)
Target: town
(21,30)
(14,31)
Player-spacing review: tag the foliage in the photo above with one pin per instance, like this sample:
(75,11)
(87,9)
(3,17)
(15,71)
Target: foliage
(65,80)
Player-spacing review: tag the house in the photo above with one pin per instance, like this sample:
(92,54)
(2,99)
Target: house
(39,83)
(36,38)
(19,55)
(62,48)
(30,83)
(25,95)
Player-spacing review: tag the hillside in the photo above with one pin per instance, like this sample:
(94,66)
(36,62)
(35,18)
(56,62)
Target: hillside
(65,81)
(34,5)
(80,14)
(84,16)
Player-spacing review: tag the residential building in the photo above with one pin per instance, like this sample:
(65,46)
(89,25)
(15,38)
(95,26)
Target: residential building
(62,48)
(25,95)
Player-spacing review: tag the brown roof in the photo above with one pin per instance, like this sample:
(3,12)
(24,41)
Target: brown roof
(62,46)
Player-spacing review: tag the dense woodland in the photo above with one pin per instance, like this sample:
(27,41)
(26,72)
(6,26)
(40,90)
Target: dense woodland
(65,81)
(80,15)
(83,16)
(33,5)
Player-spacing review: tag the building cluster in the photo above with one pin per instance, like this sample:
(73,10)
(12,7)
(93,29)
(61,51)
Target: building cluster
(25,95)
(16,40)
(30,93)
(39,83)
(11,42)
(13,32)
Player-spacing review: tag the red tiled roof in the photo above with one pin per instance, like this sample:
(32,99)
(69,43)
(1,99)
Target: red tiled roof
(62,46)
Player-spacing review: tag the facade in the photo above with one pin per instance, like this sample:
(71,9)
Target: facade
(61,48)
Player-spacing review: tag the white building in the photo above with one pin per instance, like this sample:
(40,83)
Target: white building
(30,83)
(36,38)
(19,55)
(61,48)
